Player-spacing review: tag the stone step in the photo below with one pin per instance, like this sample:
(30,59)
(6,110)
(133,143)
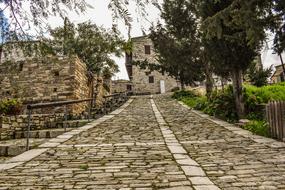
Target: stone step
(38,134)
(18,146)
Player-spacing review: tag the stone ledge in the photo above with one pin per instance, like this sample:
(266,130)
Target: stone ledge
(272,143)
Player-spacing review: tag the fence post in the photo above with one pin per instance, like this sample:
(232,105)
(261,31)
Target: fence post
(65,118)
(283,120)
(89,110)
(28,130)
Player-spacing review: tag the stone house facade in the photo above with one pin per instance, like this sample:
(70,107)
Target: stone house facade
(143,81)
(121,86)
(46,79)
(278,75)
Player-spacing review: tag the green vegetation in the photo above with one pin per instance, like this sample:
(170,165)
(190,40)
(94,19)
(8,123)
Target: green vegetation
(257,127)
(84,167)
(221,104)
(10,107)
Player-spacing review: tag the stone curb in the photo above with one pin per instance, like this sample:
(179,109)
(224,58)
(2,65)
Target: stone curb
(272,143)
(190,167)
(58,141)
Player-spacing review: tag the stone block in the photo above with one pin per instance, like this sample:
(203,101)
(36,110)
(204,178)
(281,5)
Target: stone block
(3,151)
(15,150)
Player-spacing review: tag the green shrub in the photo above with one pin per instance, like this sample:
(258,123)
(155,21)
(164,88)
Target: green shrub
(10,107)
(262,95)
(179,95)
(222,105)
(258,127)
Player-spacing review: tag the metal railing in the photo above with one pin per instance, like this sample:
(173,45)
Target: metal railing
(31,107)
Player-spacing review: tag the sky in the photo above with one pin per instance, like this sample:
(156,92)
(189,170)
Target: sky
(102,16)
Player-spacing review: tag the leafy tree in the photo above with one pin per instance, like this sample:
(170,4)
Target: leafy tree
(92,44)
(176,43)
(258,76)
(229,44)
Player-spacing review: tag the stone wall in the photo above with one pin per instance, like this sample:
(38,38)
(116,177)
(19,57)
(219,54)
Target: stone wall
(140,78)
(120,86)
(13,124)
(44,80)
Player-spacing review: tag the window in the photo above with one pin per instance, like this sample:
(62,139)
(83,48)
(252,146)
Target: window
(129,58)
(130,70)
(56,73)
(21,66)
(147,49)
(151,79)
(129,87)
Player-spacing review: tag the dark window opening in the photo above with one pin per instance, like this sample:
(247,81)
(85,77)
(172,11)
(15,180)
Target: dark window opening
(129,87)
(130,70)
(21,66)
(129,58)
(151,79)
(147,49)
(55,90)
(8,93)
(56,73)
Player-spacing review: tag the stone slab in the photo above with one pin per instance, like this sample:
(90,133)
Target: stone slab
(27,156)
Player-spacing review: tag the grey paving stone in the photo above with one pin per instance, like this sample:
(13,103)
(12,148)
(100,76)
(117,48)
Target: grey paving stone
(193,171)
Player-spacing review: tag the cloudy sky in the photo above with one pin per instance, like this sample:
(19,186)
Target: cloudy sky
(103,17)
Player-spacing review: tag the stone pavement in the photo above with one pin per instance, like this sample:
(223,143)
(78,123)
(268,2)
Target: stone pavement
(150,144)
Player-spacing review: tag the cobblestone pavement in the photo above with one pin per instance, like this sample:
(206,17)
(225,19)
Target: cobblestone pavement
(231,161)
(151,144)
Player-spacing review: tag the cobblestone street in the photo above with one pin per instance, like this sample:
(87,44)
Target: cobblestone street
(151,143)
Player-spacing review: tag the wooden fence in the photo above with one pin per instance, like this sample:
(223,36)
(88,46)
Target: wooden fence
(275,115)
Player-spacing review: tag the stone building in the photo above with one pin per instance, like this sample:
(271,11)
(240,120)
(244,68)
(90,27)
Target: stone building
(46,79)
(278,75)
(121,86)
(143,81)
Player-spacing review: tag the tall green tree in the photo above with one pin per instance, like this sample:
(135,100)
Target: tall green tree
(227,41)
(92,44)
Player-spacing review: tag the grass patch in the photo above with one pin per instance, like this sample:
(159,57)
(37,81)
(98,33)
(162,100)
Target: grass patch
(84,167)
(257,127)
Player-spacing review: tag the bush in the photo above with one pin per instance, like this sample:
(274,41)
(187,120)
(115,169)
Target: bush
(258,127)
(222,105)
(262,95)
(175,89)
(256,96)
(10,107)
(179,95)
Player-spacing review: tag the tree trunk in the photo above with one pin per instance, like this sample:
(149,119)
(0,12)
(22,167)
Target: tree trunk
(223,84)
(182,81)
(209,81)
(182,85)
(283,67)
(237,91)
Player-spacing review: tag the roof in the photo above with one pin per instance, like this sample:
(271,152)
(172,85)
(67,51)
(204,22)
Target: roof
(139,37)
(121,81)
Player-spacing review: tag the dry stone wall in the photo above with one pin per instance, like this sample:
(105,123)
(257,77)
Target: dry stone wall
(12,124)
(44,80)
